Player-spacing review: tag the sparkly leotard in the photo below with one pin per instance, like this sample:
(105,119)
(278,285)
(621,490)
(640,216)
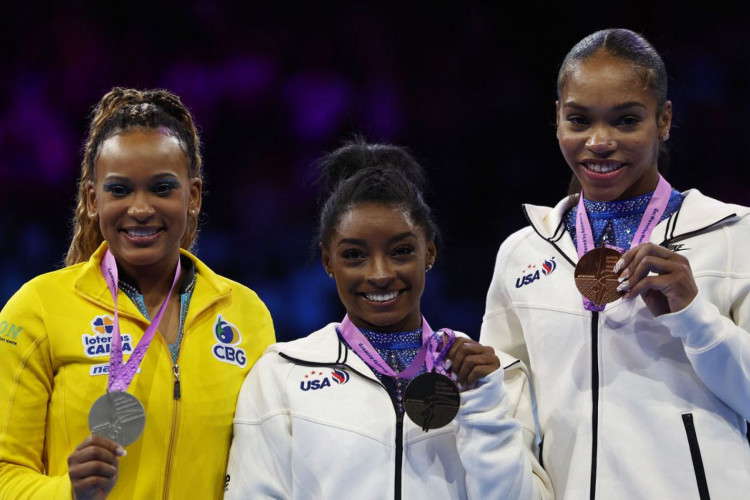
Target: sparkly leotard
(615,222)
(398,350)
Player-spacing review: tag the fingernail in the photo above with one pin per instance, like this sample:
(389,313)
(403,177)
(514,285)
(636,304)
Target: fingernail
(622,287)
(625,275)
(447,364)
(619,265)
(120,451)
(454,377)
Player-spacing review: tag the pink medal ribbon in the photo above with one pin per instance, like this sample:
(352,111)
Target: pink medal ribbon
(435,344)
(651,217)
(121,374)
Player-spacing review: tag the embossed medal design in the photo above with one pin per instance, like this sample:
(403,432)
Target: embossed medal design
(117,416)
(595,276)
(431,400)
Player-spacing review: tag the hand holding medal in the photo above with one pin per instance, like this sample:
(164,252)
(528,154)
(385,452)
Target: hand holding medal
(596,274)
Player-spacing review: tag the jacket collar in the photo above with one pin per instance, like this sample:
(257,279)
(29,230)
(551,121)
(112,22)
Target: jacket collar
(697,213)
(322,347)
(209,288)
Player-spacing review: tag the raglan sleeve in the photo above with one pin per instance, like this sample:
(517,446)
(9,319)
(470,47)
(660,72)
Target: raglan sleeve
(260,456)
(715,330)
(26,375)
(495,436)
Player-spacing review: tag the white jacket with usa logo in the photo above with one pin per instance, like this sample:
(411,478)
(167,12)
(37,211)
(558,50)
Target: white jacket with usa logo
(313,422)
(633,406)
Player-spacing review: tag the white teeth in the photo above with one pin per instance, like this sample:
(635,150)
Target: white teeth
(381,297)
(140,233)
(603,168)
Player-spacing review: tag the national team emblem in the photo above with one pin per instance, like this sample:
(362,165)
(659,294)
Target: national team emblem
(320,379)
(533,272)
(229,337)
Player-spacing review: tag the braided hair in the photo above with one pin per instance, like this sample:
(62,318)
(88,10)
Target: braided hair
(121,109)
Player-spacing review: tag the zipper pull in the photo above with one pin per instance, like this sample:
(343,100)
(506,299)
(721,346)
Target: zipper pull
(176,371)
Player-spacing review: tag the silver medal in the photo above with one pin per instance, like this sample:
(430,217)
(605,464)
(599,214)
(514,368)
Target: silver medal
(117,416)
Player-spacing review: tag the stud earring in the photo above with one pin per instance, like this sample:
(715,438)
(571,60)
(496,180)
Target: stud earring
(330,274)
(665,137)
(429,266)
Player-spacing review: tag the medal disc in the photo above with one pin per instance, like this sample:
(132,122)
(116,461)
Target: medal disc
(595,276)
(117,416)
(431,400)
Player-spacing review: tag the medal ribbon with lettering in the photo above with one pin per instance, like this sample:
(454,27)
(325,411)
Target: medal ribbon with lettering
(435,344)
(654,210)
(121,374)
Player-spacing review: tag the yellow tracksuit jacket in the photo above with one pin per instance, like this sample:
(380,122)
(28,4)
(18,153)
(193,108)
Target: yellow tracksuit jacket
(54,358)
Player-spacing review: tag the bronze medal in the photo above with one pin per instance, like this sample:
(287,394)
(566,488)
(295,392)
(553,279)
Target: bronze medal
(431,400)
(595,276)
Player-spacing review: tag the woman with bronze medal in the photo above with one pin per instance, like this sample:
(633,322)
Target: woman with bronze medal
(119,384)
(636,323)
(380,405)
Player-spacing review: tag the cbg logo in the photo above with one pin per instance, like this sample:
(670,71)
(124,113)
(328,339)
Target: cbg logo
(229,337)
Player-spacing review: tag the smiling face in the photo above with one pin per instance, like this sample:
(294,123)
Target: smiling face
(609,127)
(378,257)
(142,196)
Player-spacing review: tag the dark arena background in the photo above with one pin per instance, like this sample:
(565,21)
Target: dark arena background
(469,87)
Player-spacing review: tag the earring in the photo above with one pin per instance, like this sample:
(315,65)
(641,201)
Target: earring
(92,215)
(330,274)
(665,137)
(192,212)
(429,266)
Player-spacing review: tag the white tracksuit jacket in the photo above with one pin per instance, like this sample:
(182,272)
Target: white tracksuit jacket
(313,422)
(633,406)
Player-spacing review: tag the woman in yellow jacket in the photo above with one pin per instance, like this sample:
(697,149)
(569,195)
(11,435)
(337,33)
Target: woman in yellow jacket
(120,372)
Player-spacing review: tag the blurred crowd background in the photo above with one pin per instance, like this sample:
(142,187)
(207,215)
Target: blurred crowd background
(469,87)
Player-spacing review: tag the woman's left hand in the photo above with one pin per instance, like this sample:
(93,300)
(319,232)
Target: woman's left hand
(672,287)
(470,361)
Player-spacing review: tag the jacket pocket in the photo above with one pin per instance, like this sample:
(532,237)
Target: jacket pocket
(695,454)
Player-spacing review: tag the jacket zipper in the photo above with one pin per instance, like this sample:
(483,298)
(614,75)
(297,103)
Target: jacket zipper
(594,397)
(173,431)
(399,453)
(399,417)
(695,454)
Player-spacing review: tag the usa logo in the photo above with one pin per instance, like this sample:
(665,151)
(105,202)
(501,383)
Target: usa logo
(227,350)
(532,272)
(98,342)
(317,379)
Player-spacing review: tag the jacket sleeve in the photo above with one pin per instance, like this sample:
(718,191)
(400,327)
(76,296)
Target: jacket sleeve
(26,381)
(715,326)
(501,328)
(260,456)
(717,347)
(495,436)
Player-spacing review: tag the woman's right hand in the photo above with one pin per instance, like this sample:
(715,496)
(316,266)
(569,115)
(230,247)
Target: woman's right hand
(93,467)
